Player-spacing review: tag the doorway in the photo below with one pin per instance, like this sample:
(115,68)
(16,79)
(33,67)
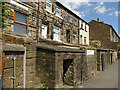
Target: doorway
(111,58)
(68,36)
(102,61)
(68,72)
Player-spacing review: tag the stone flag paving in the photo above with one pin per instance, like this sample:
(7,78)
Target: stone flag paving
(105,79)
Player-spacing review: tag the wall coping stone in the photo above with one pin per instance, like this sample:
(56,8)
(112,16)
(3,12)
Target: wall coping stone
(59,48)
(13,47)
(16,39)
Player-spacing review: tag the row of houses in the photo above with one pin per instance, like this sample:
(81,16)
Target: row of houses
(45,42)
(56,22)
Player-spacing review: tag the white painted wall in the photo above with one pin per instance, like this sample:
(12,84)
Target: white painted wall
(84,33)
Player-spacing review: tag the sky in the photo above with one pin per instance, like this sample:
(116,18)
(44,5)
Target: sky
(107,12)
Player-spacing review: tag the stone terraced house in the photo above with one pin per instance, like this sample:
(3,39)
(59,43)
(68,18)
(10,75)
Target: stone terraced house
(46,42)
(107,35)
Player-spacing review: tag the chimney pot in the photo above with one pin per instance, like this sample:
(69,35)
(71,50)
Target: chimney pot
(98,19)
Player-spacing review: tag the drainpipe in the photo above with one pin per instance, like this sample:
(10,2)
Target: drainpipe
(37,22)
(24,68)
(14,78)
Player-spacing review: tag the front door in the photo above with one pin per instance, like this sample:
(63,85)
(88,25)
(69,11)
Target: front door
(68,36)
(102,61)
(111,57)
(44,31)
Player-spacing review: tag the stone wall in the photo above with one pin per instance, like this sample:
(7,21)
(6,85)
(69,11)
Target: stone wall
(32,81)
(103,59)
(72,74)
(98,29)
(91,64)
(45,67)
(8,73)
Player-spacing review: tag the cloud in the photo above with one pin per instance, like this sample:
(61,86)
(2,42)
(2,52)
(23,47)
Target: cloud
(110,14)
(111,9)
(101,3)
(116,13)
(83,14)
(100,9)
(75,4)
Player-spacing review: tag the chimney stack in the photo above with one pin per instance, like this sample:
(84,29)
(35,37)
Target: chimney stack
(98,19)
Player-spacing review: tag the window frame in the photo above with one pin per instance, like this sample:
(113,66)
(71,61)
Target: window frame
(75,21)
(85,27)
(44,25)
(69,15)
(81,39)
(48,1)
(74,35)
(59,31)
(82,24)
(57,7)
(85,40)
(21,23)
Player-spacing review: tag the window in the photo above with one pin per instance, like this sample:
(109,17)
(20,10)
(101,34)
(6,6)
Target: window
(44,31)
(81,39)
(85,28)
(20,23)
(58,11)
(74,38)
(48,5)
(56,33)
(69,18)
(81,24)
(75,21)
(68,36)
(84,40)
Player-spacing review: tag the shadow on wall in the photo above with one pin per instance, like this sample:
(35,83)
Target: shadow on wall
(45,67)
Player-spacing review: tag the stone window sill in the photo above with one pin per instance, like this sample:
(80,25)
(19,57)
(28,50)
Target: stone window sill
(49,11)
(59,16)
(57,40)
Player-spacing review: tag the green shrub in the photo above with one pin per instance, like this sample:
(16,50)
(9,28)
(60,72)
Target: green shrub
(4,14)
(96,43)
(118,46)
(45,87)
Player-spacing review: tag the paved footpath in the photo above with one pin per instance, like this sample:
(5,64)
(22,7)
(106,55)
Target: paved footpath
(106,79)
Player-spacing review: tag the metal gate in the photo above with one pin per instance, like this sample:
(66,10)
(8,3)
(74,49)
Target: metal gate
(102,61)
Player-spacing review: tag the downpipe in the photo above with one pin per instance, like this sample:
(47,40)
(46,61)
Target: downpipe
(24,69)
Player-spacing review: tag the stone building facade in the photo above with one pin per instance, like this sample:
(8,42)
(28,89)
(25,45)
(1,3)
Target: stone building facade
(56,22)
(105,34)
